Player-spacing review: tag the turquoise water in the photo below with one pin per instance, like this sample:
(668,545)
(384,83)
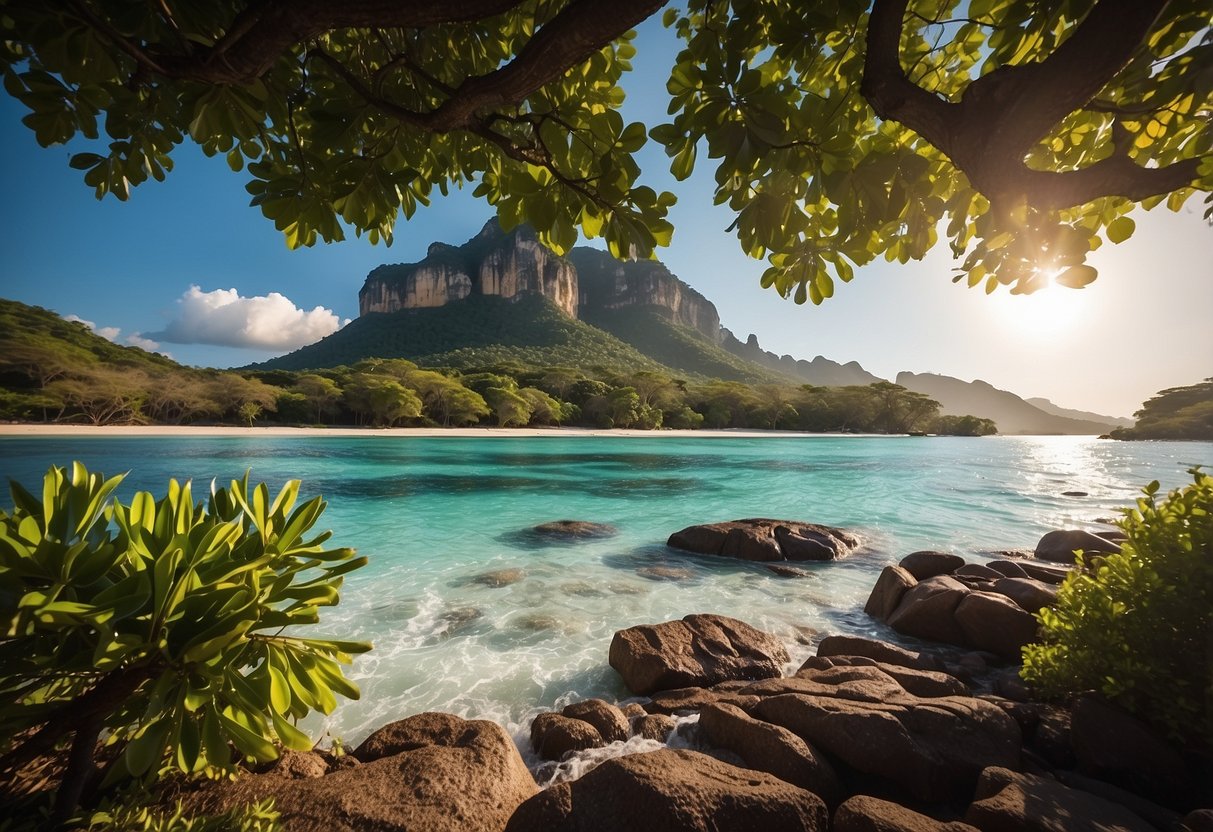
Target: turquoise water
(432,513)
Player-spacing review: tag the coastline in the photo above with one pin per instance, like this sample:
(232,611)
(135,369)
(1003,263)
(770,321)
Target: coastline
(231,431)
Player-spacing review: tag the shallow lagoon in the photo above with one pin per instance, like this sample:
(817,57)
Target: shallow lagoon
(434,513)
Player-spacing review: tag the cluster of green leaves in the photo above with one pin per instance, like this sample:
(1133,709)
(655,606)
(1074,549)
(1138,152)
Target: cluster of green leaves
(320,132)
(255,817)
(821,185)
(1134,626)
(168,627)
(1177,413)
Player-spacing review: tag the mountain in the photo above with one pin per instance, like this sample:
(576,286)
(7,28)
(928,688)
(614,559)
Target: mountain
(820,372)
(1085,415)
(1012,414)
(1175,413)
(504,297)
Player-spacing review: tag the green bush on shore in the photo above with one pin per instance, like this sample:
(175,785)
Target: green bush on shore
(1137,627)
(168,629)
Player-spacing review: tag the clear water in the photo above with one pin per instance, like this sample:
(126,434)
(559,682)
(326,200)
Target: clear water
(433,513)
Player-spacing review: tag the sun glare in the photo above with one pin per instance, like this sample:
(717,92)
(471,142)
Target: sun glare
(1051,311)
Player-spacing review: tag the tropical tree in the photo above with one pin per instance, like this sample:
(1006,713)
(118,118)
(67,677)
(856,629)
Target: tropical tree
(321,392)
(378,400)
(508,406)
(839,133)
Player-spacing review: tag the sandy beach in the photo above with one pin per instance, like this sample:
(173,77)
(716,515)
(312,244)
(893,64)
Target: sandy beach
(34,430)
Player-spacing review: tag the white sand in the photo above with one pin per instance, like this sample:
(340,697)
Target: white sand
(197,430)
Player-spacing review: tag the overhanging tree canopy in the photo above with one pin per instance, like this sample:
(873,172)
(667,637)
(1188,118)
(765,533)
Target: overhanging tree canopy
(838,133)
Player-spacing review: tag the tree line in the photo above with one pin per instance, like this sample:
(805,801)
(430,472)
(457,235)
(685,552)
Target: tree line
(56,382)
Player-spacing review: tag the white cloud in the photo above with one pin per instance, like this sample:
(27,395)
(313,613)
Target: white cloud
(109,333)
(226,319)
(137,340)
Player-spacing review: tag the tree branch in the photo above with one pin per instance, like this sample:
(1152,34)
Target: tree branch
(1002,115)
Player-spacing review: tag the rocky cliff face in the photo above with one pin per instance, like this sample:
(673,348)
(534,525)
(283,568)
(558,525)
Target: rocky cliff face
(607,283)
(491,263)
(516,264)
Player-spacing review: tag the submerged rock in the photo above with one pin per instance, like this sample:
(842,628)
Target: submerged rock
(555,735)
(496,578)
(696,651)
(574,530)
(761,539)
(671,790)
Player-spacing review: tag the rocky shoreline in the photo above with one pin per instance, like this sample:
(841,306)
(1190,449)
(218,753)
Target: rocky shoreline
(866,735)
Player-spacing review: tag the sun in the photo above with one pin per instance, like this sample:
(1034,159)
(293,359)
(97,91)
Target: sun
(1049,312)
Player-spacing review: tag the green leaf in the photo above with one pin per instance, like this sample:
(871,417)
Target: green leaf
(1121,229)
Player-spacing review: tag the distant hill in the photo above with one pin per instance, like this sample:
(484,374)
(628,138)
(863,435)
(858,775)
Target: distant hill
(1012,414)
(1084,415)
(1177,413)
(820,372)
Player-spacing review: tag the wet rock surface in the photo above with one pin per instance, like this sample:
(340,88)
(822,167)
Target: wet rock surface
(761,539)
(696,651)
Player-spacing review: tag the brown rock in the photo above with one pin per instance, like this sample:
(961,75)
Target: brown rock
(1115,746)
(299,765)
(498,578)
(770,748)
(607,719)
(862,813)
(1009,568)
(890,588)
(933,748)
(1200,820)
(761,539)
(555,735)
(671,790)
(1030,594)
(665,573)
(928,610)
(923,565)
(1045,572)
(693,700)
(995,623)
(696,651)
(881,651)
(462,775)
(654,727)
(1009,802)
(633,710)
(574,530)
(977,570)
(1059,546)
(924,683)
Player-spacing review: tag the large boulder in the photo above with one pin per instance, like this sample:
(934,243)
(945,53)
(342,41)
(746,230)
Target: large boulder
(671,790)
(923,565)
(928,610)
(606,718)
(933,749)
(573,530)
(696,651)
(924,683)
(881,651)
(1060,545)
(555,735)
(770,748)
(891,587)
(692,700)
(1029,593)
(460,775)
(863,813)
(761,539)
(1006,801)
(995,623)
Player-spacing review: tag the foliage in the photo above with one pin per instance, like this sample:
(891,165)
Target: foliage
(1026,132)
(167,627)
(254,817)
(963,426)
(1177,413)
(1135,626)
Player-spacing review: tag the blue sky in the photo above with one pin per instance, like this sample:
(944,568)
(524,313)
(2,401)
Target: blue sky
(1143,326)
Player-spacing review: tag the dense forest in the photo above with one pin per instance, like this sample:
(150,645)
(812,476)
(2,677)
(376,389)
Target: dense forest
(54,370)
(1176,413)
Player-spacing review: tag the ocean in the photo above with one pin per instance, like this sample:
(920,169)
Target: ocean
(435,514)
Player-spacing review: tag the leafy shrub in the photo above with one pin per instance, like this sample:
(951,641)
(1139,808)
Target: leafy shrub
(255,817)
(1138,628)
(168,628)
